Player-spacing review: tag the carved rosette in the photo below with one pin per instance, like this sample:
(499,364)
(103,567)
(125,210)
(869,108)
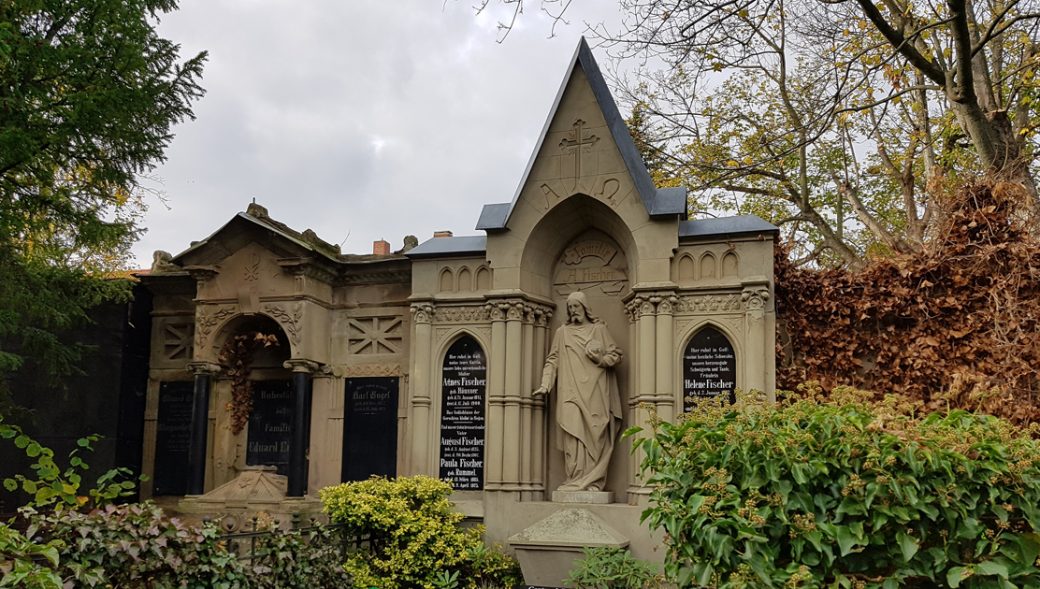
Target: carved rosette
(422,312)
(755,301)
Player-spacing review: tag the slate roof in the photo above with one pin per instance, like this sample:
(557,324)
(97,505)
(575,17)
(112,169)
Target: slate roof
(739,225)
(449,246)
(668,202)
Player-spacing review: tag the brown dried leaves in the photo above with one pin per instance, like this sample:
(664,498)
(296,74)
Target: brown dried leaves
(952,326)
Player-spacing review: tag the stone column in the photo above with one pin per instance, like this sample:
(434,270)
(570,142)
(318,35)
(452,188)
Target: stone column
(526,399)
(643,310)
(302,373)
(754,298)
(494,475)
(204,373)
(539,429)
(666,386)
(513,369)
(422,316)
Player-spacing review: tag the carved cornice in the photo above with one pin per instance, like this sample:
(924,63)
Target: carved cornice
(460,314)
(207,368)
(369,370)
(710,303)
(308,267)
(202,274)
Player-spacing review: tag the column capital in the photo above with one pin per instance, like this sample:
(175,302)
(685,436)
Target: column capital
(423,312)
(204,368)
(303,365)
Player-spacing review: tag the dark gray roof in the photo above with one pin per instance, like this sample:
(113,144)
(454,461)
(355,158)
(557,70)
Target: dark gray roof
(669,202)
(739,225)
(657,203)
(449,246)
(494,216)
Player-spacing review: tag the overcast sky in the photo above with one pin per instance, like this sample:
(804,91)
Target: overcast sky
(360,119)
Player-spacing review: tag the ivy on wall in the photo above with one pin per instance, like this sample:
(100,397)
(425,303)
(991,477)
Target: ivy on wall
(237,355)
(953,326)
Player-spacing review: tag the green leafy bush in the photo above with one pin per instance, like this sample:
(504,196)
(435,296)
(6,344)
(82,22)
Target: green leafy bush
(27,564)
(412,536)
(51,485)
(844,494)
(298,559)
(136,545)
(611,567)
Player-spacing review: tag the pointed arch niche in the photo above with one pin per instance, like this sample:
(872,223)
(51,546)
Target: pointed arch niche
(594,263)
(709,366)
(461,458)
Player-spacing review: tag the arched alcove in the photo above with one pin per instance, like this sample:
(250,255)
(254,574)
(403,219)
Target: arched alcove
(562,225)
(730,265)
(686,268)
(594,263)
(465,280)
(483,279)
(447,281)
(245,343)
(708,265)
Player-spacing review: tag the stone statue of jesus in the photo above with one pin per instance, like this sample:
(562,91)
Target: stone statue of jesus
(588,407)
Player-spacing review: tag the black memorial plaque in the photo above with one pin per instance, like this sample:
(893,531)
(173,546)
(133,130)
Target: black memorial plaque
(270,425)
(463,388)
(709,367)
(172,436)
(370,428)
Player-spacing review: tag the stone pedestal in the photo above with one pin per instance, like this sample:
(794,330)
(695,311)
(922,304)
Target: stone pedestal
(548,549)
(256,489)
(595,497)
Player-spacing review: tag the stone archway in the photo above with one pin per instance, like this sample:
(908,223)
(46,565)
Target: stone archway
(265,438)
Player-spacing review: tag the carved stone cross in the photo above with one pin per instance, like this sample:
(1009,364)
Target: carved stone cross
(580,143)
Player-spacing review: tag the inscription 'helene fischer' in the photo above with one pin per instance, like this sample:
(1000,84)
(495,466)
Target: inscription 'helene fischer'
(709,367)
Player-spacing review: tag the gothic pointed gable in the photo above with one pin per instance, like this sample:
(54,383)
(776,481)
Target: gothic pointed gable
(585,147)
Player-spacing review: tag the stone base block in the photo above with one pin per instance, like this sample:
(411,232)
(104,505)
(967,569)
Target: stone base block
(548,549)
(596,497)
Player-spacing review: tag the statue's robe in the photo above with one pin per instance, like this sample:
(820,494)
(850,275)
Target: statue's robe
(588,406)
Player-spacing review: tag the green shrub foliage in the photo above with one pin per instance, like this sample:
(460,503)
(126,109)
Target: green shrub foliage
(612,567)
(412,536)
(135,545)
(844,493)
(298,559)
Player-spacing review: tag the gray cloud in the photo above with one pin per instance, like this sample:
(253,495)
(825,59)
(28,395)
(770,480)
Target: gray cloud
(370,117)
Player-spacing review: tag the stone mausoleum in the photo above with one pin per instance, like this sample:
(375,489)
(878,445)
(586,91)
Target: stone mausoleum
(425,360)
